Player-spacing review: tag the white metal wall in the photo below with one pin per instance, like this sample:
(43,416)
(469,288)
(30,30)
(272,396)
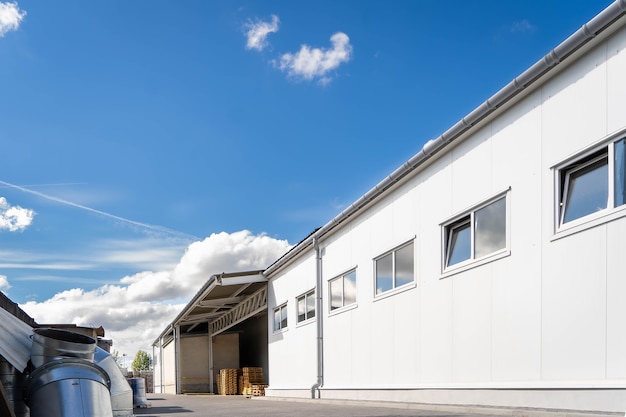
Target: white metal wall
(169,369)
(550,315)
(292,353)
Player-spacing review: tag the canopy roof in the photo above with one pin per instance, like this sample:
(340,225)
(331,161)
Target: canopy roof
(223,301)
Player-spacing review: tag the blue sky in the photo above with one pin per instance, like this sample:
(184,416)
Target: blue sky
(148,144)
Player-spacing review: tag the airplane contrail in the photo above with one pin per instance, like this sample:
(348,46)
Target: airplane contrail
(100,212)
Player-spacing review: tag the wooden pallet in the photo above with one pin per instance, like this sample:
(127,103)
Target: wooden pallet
(252,373)
(228,381)
(245,381)
(255,390)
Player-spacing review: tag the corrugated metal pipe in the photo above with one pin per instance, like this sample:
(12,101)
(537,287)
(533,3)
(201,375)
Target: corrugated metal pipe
(320,313)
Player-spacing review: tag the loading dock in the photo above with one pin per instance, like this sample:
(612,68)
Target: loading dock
(223,326)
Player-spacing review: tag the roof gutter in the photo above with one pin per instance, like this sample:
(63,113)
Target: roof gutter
(572,44)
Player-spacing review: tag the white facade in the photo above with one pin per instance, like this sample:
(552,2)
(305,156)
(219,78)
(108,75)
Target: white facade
(165,369)
(539,321)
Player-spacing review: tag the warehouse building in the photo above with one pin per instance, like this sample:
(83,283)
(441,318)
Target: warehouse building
(486,270)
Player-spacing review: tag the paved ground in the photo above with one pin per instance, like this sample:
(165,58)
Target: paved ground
(167,405)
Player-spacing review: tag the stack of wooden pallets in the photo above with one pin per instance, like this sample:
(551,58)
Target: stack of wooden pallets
(253,375)
(252,382)
(258,390)
(227,381)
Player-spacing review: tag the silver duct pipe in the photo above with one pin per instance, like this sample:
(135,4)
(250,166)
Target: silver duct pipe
(320,313)
(65,381)
(72,377)
(69,387)
(121,391)
(52,344)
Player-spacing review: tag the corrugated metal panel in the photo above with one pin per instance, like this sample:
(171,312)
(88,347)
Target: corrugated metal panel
(15,340)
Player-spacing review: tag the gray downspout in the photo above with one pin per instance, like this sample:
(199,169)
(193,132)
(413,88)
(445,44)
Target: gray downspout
(320,313)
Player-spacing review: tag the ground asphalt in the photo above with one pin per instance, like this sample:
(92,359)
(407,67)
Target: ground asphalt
(169,405)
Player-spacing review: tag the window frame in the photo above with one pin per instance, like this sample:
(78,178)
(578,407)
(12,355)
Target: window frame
(343,279)
(453,235)
(573,171)
(394,288)
(563,171)
(280,308)
(305,296)
(467,218)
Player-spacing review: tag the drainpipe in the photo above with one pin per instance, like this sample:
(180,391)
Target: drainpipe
(320,314)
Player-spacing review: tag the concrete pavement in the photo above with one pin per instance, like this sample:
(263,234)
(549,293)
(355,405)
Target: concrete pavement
(168,405)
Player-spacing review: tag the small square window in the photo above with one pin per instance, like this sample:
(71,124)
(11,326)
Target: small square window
(343,290)
(490,228)
(394,269)
(586,188)
(477,234)
(459,242)
(306,306)
(280,317)
(585,184)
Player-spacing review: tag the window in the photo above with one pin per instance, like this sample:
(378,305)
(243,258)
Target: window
(394,269)
(585,184)
(280,318)
(477,234)
(306,306)
(343,290)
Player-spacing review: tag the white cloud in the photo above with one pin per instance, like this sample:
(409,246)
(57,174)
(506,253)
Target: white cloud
(10,17)
(135,311)
(258,31)
(14,218)
(149,253)
(522,26)
(310,63)
(4,283)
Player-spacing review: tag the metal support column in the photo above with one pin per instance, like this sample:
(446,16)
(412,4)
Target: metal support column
(177,359)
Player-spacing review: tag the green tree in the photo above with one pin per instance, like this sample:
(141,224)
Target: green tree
(142,361)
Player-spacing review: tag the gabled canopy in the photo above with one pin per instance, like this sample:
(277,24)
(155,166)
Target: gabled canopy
(225,300)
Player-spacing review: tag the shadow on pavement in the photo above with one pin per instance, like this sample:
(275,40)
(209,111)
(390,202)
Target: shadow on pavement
(159,411)
(155,410)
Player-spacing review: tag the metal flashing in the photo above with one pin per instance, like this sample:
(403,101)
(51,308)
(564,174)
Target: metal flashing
(15,342)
